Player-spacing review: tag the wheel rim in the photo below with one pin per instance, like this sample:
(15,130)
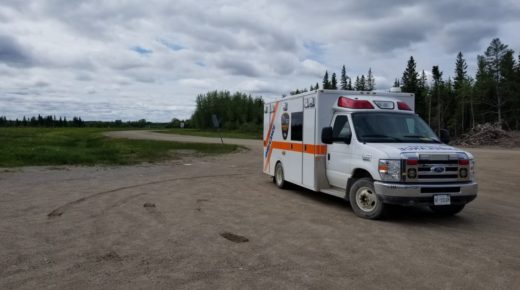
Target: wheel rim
(366,199)
(279,175)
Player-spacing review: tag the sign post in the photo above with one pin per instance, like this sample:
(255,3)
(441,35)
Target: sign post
(216,124)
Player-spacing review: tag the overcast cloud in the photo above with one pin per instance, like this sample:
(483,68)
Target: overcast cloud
(106,60)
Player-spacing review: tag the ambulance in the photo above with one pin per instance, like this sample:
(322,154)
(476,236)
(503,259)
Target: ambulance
(369,148)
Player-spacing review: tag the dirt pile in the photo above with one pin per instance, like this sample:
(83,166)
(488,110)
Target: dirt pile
(485,134)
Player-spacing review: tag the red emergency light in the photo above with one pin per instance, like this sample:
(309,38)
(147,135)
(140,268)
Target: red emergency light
(354,104)
(403,106)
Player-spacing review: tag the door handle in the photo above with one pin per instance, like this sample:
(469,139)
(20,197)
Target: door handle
(328,156)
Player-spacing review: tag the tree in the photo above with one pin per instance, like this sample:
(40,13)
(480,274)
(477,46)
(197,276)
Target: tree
(343,80)
(333,82)
(371,83)
(409,84)
(397,83)
(493,56)
(326,82)
(409,79)
(462,88)
(437,82)
(422,95)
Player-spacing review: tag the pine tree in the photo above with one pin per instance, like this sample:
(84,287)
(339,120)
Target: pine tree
(462,87)
(362,83)
(326,82)
(349,86)
(493,56)
(343,81)
(357,84)
(422,97)
(397,83)
(371,82)
(437,81)
(317,87)
(409,79)
(333,82)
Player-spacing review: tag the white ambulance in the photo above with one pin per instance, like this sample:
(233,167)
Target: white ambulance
(367,147)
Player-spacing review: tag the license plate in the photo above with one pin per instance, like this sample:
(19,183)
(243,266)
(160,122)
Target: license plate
(441,199)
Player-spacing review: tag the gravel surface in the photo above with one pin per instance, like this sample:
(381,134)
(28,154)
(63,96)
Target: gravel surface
(218,222)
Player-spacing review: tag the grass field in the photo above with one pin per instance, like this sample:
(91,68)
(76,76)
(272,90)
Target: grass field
(87,146)
(213,133)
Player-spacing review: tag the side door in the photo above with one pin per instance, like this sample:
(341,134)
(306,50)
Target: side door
(293,148)
(339,153)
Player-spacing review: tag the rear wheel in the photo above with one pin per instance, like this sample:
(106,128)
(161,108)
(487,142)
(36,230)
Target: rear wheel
(279,178)
(364,200)
(447,210)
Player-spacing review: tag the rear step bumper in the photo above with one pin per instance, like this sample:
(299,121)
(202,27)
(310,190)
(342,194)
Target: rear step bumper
(415,194)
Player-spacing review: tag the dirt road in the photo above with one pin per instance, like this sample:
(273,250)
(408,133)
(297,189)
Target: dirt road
(217,222)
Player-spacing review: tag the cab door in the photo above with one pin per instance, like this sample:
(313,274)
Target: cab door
(339,153)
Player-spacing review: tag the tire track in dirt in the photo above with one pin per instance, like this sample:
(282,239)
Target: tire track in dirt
(59,211)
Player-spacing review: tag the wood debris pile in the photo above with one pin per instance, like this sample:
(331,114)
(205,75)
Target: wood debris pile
(484,134)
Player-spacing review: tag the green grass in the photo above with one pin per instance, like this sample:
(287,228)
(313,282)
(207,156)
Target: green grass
(87,146)
(213,133)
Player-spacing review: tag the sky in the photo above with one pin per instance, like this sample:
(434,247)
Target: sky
(117,59)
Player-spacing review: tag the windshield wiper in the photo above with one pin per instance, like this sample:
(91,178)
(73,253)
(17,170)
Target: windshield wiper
(422,137)
(380,136)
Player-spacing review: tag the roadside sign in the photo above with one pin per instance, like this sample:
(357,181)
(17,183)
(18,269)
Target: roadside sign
(216,123)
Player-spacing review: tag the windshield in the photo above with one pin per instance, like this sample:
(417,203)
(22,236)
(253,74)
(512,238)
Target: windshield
(392,128)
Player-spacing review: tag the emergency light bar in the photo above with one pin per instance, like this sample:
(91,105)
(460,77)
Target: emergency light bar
(354,104)
(403,106)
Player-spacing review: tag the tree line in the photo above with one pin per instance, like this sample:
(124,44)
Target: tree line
(42,121)
(461,102)
(237,111)
(77,122)
(456,103)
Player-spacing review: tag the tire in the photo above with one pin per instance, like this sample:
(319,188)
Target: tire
(279,178)
(447,210)
(364,201)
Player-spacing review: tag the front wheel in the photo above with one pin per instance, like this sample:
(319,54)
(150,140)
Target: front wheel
(447,210)
(279,177)
(364,200)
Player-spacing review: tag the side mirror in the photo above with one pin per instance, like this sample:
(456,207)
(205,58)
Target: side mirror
(348,138)
(444,136)
(326,135)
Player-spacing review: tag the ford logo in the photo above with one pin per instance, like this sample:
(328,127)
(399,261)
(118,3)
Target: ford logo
(438,169)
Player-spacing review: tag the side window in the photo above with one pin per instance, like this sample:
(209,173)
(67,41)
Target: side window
(341,127)
(410,123)
(297,126)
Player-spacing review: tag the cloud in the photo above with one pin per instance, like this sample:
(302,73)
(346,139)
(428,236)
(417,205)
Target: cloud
(13,54)
(119,59)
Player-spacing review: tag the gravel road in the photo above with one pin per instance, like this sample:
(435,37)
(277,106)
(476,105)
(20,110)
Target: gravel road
(219,223)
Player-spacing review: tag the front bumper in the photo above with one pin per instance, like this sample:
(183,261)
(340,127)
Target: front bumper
(422,194)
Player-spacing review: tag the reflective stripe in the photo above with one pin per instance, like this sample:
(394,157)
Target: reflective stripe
(316,149)
(269,138)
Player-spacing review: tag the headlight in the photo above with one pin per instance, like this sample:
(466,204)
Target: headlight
(390,170)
